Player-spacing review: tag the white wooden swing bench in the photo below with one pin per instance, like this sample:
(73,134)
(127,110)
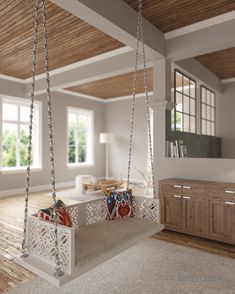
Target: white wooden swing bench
(91,241)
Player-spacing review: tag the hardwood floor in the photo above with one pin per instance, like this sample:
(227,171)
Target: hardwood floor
(11,222)
(218,248)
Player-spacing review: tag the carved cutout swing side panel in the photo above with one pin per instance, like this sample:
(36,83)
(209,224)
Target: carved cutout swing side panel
(41,242)
(147,208)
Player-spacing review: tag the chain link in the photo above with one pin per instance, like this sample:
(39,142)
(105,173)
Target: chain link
(140,38)
(29,158)
(58,267)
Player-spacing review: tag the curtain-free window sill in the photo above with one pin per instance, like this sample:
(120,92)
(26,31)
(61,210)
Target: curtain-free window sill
(18,170)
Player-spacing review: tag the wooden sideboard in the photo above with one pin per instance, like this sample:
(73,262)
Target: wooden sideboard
(200,208)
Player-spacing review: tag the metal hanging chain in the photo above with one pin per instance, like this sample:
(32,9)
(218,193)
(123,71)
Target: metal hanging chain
(29,158)
(133,100)
(58,267)
(147,100)
(140,38)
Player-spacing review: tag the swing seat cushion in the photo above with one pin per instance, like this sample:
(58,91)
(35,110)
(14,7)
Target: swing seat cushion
(97,242)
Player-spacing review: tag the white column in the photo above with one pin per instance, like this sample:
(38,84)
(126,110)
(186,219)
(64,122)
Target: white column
(160,103)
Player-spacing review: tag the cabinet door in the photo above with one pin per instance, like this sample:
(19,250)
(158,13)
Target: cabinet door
(173,211)
(222,219)
(195,214)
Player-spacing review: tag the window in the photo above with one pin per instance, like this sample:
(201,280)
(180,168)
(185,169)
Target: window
(15,130)
(80,136)
(207,112)
(184,114)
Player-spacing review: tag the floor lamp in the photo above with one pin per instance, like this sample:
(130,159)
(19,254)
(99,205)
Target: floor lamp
(106,138)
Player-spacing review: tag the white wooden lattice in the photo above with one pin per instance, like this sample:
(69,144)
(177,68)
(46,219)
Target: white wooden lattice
(41,242)
(96,211)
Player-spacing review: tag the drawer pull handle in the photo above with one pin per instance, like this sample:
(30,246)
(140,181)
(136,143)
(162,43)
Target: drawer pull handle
(177,186)
(177,196)
(187,187)
(229,191)
(229,203)
(186,197)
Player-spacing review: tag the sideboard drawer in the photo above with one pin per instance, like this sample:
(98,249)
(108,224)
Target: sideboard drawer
(194,191)
(226,193)
(171,188)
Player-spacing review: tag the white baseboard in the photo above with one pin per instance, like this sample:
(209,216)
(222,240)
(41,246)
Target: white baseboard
(21,191)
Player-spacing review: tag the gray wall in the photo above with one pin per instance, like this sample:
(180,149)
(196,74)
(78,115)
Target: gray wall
(118,115)
(63,173)
(226,120)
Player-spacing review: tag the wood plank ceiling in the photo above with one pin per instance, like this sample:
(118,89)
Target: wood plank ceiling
(70,39)
(116,86)
(221,63)
(169,15)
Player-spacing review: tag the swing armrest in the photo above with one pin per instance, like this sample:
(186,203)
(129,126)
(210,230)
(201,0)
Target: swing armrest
(41,242)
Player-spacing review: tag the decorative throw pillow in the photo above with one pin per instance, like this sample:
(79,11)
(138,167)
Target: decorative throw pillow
(119,204)
(124,206)
(111,207)
(63,217)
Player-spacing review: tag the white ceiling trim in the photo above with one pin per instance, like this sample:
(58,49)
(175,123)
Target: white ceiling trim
(80,95)
(13,79)
(84,62)
(103,100)
(115,99)
(201,25)
(226,81)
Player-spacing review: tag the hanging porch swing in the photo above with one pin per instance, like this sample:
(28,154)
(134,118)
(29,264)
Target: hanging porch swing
(58,253)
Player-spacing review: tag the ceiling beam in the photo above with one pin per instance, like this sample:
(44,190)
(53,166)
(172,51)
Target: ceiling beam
(213,38)
(118,20)
(88,72)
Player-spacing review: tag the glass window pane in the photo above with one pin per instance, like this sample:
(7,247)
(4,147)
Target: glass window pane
(178,122)
(208,112)
(178,102)
(71,137)
(192,107)
(186,104)
(72,155)
(203,127)
(24,113)
(9,135)
(186,86)
(9,112)
(186,123)
(212,114)
(192,89)
(82,122)
(208,97)
(72,120)
(24,141)
(179,81)
(203,111)
(82,153)
(203,93)
(212,99)
(192,124)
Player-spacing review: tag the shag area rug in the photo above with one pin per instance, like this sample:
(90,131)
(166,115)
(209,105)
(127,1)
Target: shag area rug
(150,267)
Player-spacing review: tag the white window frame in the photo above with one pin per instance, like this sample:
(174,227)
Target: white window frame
(38,144)
(89,113)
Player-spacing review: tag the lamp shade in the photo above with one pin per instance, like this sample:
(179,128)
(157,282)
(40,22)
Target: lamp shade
(106,138)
